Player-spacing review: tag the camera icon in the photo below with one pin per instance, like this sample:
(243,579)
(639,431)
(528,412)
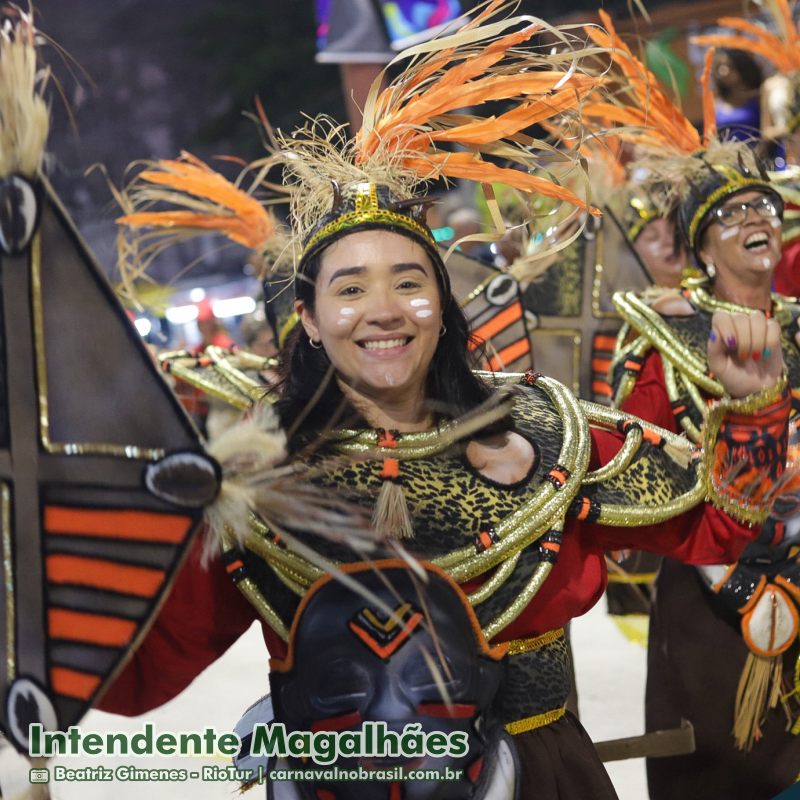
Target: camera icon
(39,776)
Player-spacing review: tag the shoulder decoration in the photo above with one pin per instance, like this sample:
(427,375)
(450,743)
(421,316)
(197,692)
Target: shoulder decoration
(517,538)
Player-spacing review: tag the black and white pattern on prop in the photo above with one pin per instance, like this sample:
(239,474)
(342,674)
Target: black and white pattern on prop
(99,474)
(492,304)
(19,212)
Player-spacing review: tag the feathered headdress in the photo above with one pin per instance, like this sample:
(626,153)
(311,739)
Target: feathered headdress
(414,131)
(408,125)
(692,174)
(781,48)
(171,201)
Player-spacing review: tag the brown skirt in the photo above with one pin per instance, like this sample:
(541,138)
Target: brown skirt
(695,658)
(559,762)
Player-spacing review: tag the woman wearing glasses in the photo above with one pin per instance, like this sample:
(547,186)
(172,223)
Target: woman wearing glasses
(723,640)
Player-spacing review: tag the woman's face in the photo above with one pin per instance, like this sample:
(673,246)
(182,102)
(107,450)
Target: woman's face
(378,313)
(745,253)
(655,246)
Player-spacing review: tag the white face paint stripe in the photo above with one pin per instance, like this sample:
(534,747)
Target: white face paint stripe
(728,232)
(776,222)
(419,301)
(344,315)
(425,312)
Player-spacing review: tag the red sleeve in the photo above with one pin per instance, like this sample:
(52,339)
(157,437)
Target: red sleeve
(787,273)
(703,535)
(202,617)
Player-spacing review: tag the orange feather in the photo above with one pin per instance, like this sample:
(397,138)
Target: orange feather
(212,203)
(782,50)
(237,230)
(494,128)
(471,167)
(709,114)
(640,102)
(776,56)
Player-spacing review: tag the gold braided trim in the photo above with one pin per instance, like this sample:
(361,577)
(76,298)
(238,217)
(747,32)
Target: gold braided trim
(700,297)
(500,576)
(675,395)
(522,600)
(253,594)
(677,448)
(699,403)
(653,326)
(621,461)
(736,182)
(632,577)
(380,217)
(517,646)
(538,721)
(287,328)
(638,347)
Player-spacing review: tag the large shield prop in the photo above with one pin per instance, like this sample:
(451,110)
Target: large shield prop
(492,303)
(102,475)
(571,317)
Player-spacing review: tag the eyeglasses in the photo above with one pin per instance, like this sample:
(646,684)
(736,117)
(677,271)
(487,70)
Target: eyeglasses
(736,213)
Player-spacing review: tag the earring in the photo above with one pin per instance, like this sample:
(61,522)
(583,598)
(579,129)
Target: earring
(443,331)
(315,345)
(711,270)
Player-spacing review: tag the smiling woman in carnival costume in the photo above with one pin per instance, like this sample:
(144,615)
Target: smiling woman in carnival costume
(507,485)
(723,639)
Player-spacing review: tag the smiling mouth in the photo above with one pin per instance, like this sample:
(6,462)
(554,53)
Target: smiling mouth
(384,344)
(757,242)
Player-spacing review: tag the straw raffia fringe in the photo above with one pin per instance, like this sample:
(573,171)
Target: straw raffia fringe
(759,691)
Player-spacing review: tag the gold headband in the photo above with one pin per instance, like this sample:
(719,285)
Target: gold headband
(736,182)
(366,211)
(646,216)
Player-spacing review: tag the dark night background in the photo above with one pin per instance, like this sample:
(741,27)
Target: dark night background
(147,78)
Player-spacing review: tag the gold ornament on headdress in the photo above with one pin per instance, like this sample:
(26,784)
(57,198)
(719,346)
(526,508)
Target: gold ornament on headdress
(644,213)
(367,209)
